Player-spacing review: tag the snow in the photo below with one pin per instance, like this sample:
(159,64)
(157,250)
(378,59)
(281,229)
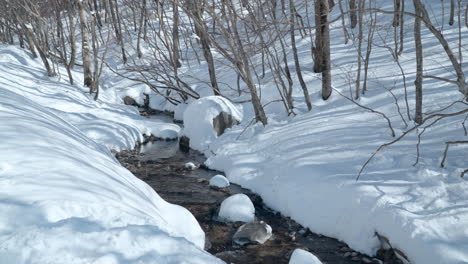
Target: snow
(237,208)
(300,256)
(64,198)
(219,181)
(198,119)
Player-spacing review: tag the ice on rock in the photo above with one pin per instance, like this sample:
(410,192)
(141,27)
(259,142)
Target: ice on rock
(219,181)
(258,232)
(237,208)
(300,256)
(190,166)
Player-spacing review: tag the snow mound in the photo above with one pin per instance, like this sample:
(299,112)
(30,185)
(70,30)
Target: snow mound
(219,181)
(198,119)
(300,256)
(237,208)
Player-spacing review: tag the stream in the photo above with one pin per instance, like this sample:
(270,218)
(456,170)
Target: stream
(161,165)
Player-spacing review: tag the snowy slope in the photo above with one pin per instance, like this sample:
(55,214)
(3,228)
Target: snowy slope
(64,198)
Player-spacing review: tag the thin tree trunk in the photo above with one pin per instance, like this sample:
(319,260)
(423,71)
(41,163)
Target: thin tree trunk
(419,62)
(140,27)
(292,11)
(402,33)
(359,49)
(452,12)
(322,46)
(72,36)
(352,13)
(86,55)
(343,23)
(175,36)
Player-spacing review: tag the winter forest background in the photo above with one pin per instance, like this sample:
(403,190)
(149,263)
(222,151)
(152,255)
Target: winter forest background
(350,117)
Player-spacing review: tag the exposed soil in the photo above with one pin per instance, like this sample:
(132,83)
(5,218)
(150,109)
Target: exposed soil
(161,165)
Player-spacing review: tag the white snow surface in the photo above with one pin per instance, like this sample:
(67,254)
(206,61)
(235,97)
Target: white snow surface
(64,198)
(300,256)
(198,119)
(237,208)
(219,181)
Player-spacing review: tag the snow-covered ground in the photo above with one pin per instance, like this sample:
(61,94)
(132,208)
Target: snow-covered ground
(64,198)
(305,166)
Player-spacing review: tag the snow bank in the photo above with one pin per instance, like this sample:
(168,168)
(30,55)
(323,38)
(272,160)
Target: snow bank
(300,256)
(237,208)
(198,119)
(63,196)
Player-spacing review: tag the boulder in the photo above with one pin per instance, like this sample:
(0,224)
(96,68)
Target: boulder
(223,121)
(253,232)
(184,144)
(130,101)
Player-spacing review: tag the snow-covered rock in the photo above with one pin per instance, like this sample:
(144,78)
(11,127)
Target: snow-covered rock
(219,181)
(237,208)
(258,232)
(190,165)
(202,117)
(300,256)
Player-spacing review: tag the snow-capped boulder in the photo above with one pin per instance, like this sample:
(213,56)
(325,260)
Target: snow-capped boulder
(207,118)
(237,208)
(258,232)
(219,181)
(190,165)
(300,256)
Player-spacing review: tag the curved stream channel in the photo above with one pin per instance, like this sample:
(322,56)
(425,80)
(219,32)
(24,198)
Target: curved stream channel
(161,165)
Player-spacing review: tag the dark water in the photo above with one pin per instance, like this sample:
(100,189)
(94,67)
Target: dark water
(161,165)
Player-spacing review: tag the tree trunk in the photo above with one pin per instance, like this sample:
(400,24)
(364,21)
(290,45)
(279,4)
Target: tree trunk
(86,55)
(72,36)
(140,27)
(322,46)
(452,12)
(352,13)
(419,61)
(175,36)
(292,11)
